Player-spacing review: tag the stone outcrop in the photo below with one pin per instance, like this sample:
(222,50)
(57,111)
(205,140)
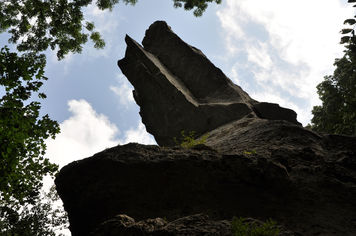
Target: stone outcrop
(178,88)
(304,188)
(191,225)
(194,225)
(257,160)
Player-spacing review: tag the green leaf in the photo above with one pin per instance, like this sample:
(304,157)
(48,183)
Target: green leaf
(22,131)
(346,31)
(345,39)
(96,38)
(89,26)
(350,21)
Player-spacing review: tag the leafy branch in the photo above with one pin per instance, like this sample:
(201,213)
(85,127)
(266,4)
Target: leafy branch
(36,25)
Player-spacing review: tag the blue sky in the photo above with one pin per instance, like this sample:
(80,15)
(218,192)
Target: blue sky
(276,50)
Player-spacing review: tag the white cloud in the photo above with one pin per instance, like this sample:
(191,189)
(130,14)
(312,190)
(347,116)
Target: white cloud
(259,55)
(138,135)
(300,30)
(123,91)
(65,63)
(86,132)
(82,135)
(301,43)
(228,21)
(106,23)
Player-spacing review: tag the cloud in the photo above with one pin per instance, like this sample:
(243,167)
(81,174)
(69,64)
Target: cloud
(259,55)
(107,24)
(123,91)
(86,132)
(283,48)
(138,135)
(82,135)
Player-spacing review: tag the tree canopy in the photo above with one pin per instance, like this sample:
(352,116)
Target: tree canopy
(43,218)
(199,6)
(22,131)
(337,114)
(36,25)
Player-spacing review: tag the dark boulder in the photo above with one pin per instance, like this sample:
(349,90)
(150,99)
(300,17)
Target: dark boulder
(306,190)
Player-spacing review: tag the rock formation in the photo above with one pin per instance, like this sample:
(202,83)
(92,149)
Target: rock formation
(304,189)
(193,95)
(191,225)
(257,161)
(198,224)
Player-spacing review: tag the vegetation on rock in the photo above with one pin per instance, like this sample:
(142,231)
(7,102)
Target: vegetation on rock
(250,152)
(240,227)
(190,140)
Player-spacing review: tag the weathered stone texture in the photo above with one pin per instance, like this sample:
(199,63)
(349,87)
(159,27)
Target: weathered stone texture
(178,88)
(301,188)
(194,225)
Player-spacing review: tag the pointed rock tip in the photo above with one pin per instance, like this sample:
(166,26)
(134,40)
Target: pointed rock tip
(128,38)
(130,41)
(161,25)
(160,22)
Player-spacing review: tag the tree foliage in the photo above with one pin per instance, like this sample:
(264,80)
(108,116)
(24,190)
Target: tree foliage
(337,114)
(36,25)
(199,6)
(349,33)
(22,131)
(43,218)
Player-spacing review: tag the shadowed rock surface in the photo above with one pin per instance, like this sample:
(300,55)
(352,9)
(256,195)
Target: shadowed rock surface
(308,192)
(191,225)
(178,88)
(195,225)
(257,161)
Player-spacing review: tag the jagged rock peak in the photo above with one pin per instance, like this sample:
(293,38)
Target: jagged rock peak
(178,88)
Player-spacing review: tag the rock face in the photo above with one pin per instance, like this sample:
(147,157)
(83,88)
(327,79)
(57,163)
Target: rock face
(257,161)
(191,225)
(178,88)
(310,191)
(198,224)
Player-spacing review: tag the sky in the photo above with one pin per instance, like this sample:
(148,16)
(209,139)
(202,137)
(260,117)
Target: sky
(276,50)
